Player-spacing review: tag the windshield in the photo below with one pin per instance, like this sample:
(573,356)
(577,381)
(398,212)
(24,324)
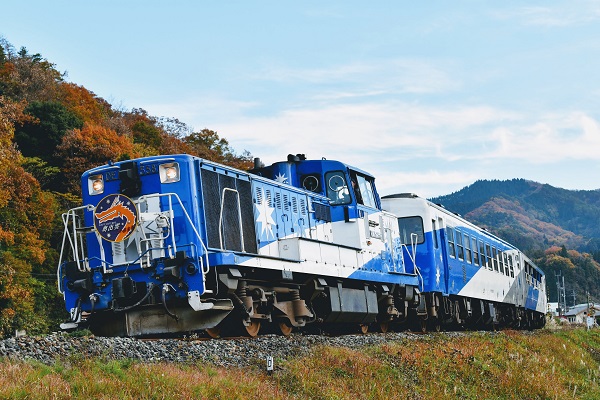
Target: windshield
(337,188)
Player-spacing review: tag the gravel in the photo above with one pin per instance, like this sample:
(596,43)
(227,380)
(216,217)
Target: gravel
(236,352)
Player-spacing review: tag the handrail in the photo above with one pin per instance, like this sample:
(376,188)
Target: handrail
(239,217)
(413,256)
(75,240)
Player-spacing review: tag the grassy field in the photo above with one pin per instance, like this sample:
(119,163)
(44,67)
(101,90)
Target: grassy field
(509,365)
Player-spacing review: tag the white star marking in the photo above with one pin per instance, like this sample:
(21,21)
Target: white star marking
(265,217)
(281,178)
(437,276)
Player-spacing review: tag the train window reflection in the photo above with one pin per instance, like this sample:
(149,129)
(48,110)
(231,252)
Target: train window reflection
(475,253)
(488,257)
(363,189)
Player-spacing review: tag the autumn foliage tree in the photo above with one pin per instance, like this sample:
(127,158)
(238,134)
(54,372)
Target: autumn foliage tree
(28,76)
(88,147)
(51,131)
(25,211)
(207,144)
(83,103)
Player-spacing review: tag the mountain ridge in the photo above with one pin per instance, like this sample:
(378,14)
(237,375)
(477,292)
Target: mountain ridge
(529,214)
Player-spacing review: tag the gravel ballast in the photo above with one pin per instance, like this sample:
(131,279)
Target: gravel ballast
(236,352)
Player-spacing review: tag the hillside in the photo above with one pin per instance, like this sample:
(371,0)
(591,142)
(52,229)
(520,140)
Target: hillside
(531,215)
(556,227)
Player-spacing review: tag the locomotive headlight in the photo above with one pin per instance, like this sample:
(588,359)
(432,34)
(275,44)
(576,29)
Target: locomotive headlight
(96,184)
(169,173)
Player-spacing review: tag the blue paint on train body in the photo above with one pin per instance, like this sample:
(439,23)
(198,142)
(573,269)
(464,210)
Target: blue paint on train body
(457,258)
(199,226)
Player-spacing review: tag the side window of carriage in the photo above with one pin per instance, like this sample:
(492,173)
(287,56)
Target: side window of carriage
(450,237)
(459,245)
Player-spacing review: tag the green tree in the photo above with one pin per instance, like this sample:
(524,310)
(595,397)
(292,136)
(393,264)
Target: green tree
(39,138)
(146,133)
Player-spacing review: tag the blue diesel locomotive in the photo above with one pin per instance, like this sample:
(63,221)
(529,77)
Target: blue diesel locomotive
(177,244)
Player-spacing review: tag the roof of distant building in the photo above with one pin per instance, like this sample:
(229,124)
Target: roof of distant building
(580,308)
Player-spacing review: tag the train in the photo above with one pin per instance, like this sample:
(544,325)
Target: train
(176,244)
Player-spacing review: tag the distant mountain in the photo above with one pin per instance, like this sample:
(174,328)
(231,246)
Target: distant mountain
(531,215)
(543,221)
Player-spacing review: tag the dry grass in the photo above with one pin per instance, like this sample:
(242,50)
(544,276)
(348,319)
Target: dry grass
(510,365)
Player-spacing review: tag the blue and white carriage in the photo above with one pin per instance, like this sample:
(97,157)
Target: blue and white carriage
(470,276)
(174,244)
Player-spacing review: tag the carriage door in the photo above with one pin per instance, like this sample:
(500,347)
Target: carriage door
(441,255)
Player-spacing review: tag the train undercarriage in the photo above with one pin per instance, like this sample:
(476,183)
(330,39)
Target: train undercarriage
(456,312)
(245,302)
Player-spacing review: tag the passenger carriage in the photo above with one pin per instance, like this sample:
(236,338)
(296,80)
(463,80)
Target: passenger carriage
(470,277)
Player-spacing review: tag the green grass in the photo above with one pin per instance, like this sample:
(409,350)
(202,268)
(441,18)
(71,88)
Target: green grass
(509,365)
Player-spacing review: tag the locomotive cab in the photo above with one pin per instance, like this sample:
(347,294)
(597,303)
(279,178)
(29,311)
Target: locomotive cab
(351,191)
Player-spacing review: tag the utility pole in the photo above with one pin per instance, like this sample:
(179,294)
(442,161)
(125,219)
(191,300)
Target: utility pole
(590,312)
(560,289)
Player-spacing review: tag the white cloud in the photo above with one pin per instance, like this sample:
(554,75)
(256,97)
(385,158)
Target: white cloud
(551,139)
(348,130)
(367,78)
(426,184)
(566,13)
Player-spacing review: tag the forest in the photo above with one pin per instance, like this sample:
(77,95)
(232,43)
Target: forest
(52,130)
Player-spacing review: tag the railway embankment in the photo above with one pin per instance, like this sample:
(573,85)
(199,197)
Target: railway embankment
(508,364)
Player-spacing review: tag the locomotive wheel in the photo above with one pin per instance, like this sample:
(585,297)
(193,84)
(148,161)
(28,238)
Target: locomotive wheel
(214,333)
(285,328)
(384,327)
(423,325)
(253,328)
(434,324)
(364,328)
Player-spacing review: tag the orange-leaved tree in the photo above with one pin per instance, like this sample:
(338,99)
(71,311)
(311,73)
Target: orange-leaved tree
(88,147)
(26,212)
(85,104)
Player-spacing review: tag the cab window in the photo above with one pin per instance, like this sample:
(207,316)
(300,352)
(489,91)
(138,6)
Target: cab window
(363,189)
(337,188)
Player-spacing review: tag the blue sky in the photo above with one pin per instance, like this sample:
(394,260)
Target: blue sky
(427,97)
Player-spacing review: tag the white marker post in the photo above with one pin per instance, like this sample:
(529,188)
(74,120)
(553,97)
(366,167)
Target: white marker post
(269,365)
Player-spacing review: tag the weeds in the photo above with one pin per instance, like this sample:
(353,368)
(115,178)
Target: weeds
(507,365)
